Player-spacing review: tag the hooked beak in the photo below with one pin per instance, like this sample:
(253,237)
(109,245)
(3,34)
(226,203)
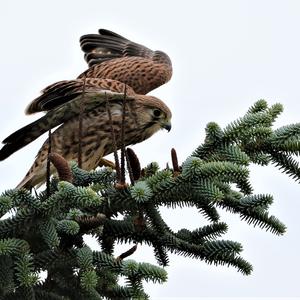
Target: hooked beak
(167,126)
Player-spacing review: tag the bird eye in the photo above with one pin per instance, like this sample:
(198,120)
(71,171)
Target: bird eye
(156,112)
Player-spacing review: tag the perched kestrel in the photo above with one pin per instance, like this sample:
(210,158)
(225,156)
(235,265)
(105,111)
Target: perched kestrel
(116,64)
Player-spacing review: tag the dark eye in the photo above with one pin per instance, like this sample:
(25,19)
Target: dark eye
(156,113)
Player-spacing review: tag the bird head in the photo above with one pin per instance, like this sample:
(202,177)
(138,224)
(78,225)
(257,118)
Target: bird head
(154,116)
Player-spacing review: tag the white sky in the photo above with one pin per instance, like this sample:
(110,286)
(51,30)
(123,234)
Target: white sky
(226,55)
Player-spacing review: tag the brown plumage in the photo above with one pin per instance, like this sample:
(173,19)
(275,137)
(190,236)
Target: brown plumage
(115,64)
(112,56)
(144,116)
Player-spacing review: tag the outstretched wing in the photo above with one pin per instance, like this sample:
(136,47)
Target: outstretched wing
(92,98)
(110,55)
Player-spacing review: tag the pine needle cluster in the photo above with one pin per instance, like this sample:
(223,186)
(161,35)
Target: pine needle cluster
(44,231)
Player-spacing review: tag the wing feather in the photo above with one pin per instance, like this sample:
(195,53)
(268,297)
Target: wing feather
(93,98)
(64,91)
(108,45)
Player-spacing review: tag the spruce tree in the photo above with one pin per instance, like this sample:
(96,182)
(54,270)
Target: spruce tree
(43,231)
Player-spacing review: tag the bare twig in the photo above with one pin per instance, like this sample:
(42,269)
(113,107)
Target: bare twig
(113,139)
(81,109)
(48,173)
(122,179)
(127,253)
(62,167)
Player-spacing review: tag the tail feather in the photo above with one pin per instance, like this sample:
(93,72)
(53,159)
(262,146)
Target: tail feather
(23,137)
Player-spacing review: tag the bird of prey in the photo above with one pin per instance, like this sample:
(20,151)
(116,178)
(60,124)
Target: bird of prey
(115,65)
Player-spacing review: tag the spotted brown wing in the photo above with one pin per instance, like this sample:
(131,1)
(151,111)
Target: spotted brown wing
(64,91)
(112,56)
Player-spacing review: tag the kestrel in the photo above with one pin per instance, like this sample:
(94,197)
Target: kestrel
(116,64)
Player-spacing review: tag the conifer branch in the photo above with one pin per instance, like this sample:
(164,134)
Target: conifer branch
(45,232)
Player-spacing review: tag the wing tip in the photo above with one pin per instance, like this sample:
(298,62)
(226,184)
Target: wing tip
(5,151)
(29,110)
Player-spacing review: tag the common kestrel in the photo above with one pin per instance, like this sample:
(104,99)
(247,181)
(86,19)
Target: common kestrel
(116,64)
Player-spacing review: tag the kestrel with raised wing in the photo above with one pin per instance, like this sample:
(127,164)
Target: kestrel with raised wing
(116,65)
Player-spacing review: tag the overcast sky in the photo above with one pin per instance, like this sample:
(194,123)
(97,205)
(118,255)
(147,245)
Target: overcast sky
(226,55)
